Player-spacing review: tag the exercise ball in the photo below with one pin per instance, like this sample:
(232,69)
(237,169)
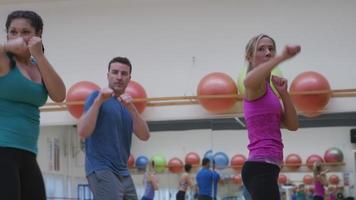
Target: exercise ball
(141,163)
(209,154)
(334,179)
(293,161)
(136,91)
(131,161)
(175,165)
(217,83)
(308,179)
(79,93)
(221,160)
(333,155)
(160,163)
(192,158)
(242,75)
(313,158)
(237,161)
(282,179)
(310,105)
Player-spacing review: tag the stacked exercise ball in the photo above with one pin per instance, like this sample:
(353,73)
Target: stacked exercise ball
(76,96)
(137,91)
(141,163)
(293,161)
(217,83)
(160,163)
(333,155)
(312,159)
(175,165)
(192,158)
(310,105)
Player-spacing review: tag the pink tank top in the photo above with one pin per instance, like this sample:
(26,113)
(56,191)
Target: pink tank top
(263,122)
(319,189)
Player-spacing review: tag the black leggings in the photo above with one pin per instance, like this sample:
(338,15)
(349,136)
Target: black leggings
(261,180)
(20,176)
(180,195)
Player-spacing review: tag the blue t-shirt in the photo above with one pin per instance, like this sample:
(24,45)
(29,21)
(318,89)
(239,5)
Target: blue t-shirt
(216,179)
(20,99)
(204,180)
(108,147)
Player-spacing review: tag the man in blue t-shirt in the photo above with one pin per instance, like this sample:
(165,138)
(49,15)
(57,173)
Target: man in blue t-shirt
(107,125)
(204,180)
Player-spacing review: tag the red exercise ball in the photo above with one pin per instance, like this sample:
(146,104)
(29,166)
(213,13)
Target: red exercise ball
(308,179)
(192,158)
(313,158)
(237,161)
(217,83)
(79,93)
(282,179)
(136,91)
(334,180)
(310,104)
(131,161)
(175,165)
(333,155)
(293,161)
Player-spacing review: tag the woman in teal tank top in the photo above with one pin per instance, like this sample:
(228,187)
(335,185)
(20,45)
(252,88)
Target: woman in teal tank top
(26,79)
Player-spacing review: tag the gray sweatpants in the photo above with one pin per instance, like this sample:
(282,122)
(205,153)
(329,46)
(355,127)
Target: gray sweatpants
(106,185)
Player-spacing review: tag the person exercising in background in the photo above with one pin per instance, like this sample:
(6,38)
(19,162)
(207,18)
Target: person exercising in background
(185,181)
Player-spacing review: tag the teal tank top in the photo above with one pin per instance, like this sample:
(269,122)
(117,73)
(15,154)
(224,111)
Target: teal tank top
(20,99)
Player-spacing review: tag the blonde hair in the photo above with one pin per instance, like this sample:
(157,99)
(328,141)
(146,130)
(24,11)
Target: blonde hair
(251,47)
(317,167)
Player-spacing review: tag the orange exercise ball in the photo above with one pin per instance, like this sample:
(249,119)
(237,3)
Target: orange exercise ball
(293,161)
(192,158)
(217,83)
(131,161)
(237,161)
(312,159)
(308,179)
(175,165)
(136,91)
(334,179)
(77,93)
(310,105)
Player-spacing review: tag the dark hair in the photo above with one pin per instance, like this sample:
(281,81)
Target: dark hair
(33,18)
(187,167)
(205,161)
(122,60)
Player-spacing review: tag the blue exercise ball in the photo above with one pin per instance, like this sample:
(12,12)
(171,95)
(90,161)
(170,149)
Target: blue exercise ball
(141,162)
(221,160)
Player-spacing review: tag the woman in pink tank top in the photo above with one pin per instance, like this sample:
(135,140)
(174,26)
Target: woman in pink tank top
(320,180)
(264,116)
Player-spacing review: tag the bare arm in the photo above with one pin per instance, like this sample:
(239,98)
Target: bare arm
(53,82)
(154,182)
(4,61)
(140,126)
(289,118)
(255,79)
(87,122)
